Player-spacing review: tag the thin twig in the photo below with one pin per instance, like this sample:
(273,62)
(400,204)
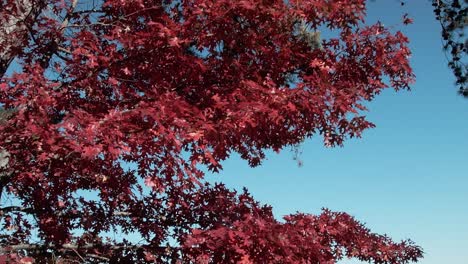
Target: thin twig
(78,254)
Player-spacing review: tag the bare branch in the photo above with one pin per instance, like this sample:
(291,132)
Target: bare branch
(76,247)
(97,257)
(30,210)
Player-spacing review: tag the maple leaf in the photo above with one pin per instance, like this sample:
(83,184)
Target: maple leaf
(90,151)
(174,42)
(27,260)
(247,4)
(149,257)
(113,81)
(126,71)
(196,135)
(407,20)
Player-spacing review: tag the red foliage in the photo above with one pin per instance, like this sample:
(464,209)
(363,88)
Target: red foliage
(167,86)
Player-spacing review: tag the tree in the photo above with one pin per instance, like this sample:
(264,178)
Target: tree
(452,15)
(115,105)
(453,18)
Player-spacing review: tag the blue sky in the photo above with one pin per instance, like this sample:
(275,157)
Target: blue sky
(408,177)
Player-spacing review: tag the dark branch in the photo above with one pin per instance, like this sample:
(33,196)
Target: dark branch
(10,209)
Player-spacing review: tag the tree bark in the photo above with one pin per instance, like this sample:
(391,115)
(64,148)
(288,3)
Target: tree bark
(4,155)
(15,21)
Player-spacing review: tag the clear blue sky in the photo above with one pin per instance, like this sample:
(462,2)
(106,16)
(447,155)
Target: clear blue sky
(408,177)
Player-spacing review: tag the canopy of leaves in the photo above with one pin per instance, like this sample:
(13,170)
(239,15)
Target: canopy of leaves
(118,103)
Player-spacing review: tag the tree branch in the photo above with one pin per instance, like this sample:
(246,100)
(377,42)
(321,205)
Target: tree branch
(82,247)
(30,210)
(10,209)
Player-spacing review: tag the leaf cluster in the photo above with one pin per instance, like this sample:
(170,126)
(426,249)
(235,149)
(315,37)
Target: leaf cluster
(453,18)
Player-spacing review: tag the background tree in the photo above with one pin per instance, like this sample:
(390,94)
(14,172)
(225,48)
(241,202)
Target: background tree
(453,18)
(116,104)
